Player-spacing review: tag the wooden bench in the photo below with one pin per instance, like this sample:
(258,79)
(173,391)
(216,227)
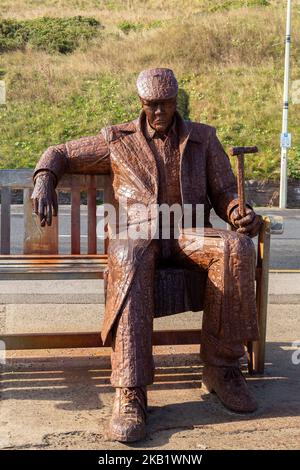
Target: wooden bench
(41,260)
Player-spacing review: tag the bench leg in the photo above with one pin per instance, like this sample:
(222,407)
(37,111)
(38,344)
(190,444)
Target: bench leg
(256,349)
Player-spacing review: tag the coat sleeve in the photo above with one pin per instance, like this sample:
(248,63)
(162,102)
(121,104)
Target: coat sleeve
(88,155)
(222,187)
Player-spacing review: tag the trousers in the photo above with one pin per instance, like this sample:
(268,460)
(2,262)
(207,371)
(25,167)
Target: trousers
(229,259)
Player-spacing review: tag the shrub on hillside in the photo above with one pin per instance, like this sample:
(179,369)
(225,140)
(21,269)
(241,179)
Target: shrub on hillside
(128,26)
(231,4)
(50,34)
(12,35)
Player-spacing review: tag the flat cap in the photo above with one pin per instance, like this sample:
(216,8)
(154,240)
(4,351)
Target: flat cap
(157,84)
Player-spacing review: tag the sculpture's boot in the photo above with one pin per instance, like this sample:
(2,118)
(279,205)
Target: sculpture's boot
(230,386)
(128,421)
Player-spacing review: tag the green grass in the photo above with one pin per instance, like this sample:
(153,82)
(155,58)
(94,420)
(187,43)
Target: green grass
(227,55)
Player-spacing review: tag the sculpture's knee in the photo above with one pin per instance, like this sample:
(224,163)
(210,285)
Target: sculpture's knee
(123,252)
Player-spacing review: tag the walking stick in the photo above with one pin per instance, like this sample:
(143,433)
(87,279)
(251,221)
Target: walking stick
(239,152)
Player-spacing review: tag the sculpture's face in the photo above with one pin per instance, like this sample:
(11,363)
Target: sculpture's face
(160,113)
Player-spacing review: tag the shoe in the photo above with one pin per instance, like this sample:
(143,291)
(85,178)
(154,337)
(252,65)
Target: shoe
(128,421)
(230,386)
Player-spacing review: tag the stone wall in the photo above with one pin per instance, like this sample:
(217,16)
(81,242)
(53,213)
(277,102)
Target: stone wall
(266,193)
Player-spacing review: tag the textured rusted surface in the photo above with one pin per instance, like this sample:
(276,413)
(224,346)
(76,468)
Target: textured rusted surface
(229,320)
(167,157)
(235,395)
(57,156)
(44,198)
(242,150)
(245,214)
(189,156)
(239,153)
(241,184)
(157,84)
(128,421)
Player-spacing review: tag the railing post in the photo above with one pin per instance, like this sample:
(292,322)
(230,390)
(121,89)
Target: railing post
(75,216)
(91,200)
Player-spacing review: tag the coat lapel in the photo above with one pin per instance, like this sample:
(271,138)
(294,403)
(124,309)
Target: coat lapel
(137,159)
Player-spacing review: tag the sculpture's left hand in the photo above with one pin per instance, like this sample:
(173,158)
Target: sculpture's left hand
(44,198)
(249,225)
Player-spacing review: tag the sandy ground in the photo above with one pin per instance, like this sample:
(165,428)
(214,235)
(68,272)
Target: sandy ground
(62,399)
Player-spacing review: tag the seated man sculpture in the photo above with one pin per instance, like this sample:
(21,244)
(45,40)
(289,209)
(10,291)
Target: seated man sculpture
(160,158)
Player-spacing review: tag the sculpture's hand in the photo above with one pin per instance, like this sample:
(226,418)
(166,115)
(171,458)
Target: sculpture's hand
(249,225)
(44,198)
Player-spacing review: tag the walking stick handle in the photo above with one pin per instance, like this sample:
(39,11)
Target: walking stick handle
(239,152)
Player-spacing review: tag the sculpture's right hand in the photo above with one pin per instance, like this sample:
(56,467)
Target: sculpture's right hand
(44,198)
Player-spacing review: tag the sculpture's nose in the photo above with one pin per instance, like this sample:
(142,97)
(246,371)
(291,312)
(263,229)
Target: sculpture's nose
(158,110)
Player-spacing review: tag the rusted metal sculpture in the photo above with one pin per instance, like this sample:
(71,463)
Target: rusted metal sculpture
(160,158)
(239,152)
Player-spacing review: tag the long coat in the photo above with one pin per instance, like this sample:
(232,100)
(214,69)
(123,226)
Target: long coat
(206,178)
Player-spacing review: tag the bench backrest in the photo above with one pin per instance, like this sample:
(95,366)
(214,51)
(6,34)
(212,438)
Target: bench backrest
(38,240)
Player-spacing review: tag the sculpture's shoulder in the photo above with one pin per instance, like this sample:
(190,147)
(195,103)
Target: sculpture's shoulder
(200,132)
(117,131)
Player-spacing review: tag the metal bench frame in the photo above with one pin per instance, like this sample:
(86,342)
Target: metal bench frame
(42,261)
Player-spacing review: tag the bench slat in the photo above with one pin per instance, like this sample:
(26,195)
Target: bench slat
(36,264)
(18,275)
(92,220)
(48,267)
(52,267)
(60,258)
(91,340)
(75,218)
(5,221)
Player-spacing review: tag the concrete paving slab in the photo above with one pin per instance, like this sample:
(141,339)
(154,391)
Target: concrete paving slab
(70,306)
(53,318)
(62,399)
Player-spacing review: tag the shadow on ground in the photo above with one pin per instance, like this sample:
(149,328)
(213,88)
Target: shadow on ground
(177,401)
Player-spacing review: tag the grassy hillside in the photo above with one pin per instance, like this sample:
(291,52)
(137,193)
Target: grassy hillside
(67,77)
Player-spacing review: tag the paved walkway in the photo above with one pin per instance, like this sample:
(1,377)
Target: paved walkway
(62,399)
